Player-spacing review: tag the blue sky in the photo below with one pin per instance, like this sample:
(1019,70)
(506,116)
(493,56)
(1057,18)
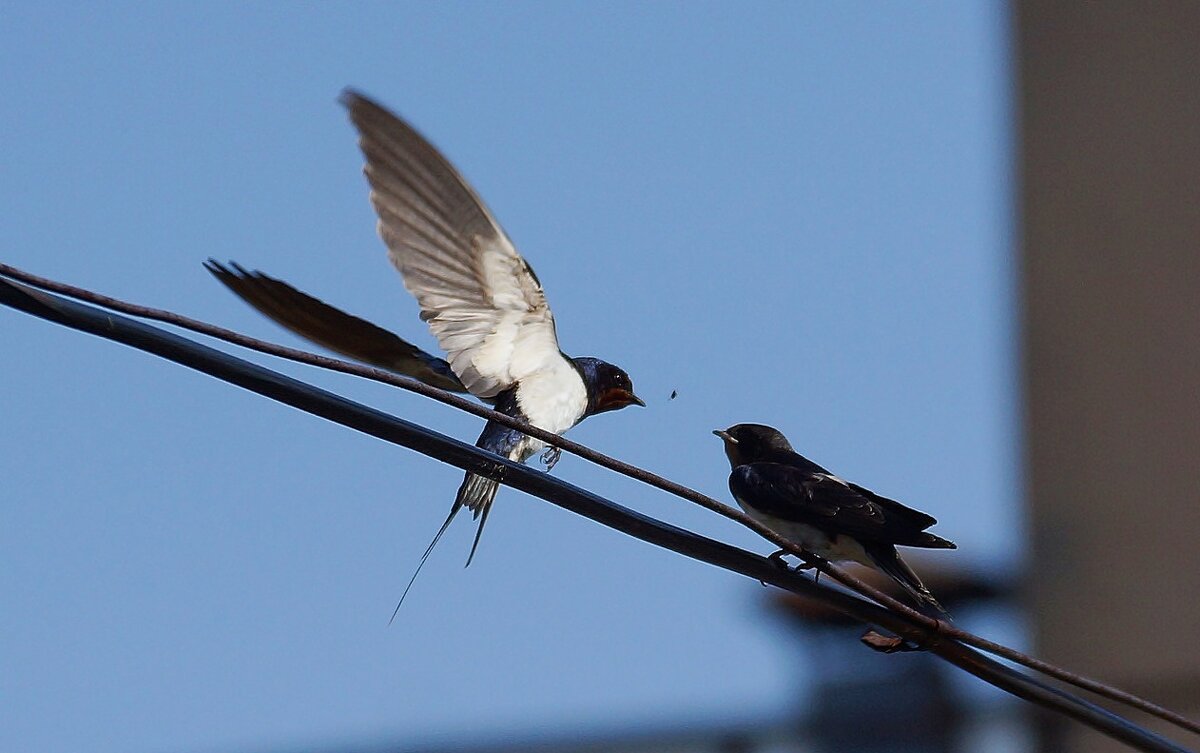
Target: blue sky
(798,214)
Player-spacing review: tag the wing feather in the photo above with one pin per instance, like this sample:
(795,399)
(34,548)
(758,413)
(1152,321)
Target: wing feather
(333,328)
(481,299)
(827,502)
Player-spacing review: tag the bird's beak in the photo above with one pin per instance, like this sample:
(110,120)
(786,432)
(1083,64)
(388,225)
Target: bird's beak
(724,435)
(616,398)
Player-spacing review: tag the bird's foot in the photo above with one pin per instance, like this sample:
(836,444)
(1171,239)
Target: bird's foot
(813,564)
(777,559)
(806,563)
(550,457)
(809,565)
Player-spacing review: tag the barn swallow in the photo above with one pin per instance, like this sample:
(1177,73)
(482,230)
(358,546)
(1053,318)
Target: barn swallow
(479,296)
(823,514)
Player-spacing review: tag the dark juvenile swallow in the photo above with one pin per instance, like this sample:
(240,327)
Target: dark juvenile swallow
(480,298)
(831,518)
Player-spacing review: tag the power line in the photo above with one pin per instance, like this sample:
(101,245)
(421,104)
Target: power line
(930,634)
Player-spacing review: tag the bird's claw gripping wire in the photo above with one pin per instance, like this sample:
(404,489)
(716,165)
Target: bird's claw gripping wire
(777,559)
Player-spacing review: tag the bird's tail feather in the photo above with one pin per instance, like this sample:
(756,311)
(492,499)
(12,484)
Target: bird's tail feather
(476,494)
(437,537)
(887,559)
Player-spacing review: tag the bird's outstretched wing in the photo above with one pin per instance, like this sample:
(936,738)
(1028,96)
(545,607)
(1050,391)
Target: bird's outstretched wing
(481,299)
(825,501)
(333,328)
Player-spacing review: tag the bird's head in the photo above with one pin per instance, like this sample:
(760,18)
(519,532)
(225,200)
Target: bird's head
(608,386)
(750,443)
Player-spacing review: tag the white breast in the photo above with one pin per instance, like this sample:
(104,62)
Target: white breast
(553,399)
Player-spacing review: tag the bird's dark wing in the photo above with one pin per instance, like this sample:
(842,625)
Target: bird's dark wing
(332,328)
(892,507)
(481,299)
(823,501)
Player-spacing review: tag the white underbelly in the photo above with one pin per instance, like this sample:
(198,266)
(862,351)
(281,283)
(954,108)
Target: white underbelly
(836,548)
(552,400)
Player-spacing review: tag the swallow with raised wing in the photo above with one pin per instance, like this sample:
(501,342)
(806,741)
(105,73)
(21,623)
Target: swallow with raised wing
(821,513)
(480,298)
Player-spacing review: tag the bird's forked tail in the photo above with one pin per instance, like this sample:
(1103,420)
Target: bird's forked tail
(887,559)
(476,494)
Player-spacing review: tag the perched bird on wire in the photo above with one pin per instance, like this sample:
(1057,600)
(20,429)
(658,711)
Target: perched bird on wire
(824,515)
(480,298)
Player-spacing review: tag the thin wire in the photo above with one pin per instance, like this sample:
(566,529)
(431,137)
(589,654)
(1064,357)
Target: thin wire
(580,501)
(937,627)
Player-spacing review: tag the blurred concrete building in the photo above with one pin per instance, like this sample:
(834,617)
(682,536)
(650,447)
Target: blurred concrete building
(1109,113)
